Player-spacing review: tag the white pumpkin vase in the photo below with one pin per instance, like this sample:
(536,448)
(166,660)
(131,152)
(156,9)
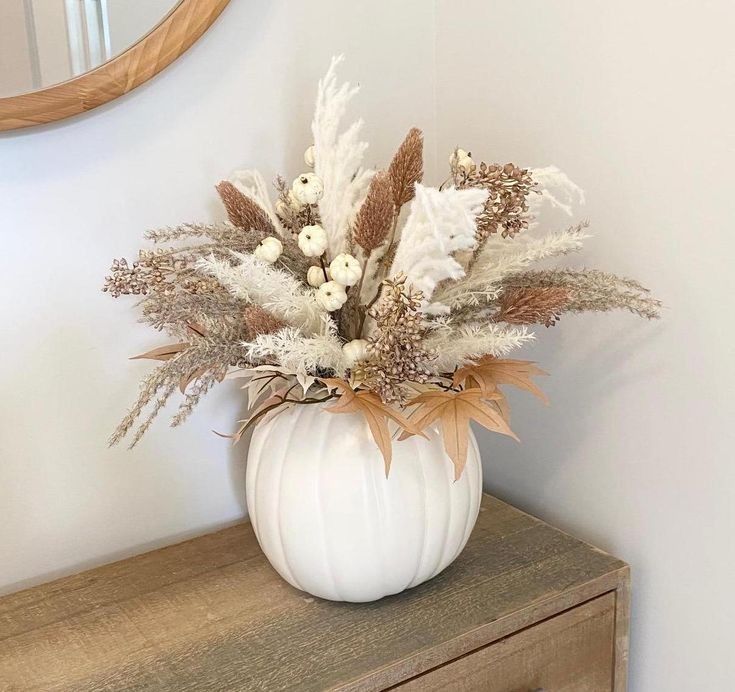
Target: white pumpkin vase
(333,525)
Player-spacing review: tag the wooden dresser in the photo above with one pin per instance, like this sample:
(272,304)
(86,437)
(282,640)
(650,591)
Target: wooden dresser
(525,607)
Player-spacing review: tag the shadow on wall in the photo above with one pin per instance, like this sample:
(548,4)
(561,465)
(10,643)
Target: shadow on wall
(575,388)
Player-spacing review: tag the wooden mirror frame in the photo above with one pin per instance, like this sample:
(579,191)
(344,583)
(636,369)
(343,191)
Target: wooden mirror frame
(181,28)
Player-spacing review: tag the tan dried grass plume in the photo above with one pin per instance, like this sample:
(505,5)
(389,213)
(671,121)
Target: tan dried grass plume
(242,211)
(590,290)
(259,321)
(407,167)
(532,305)
(375,218)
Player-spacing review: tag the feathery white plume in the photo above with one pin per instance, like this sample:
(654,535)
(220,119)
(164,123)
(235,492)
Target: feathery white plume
(251,183)
(456,346)
(274,289)
(439,223)
(556,189)
(338,158)
(299,354)
(501,257)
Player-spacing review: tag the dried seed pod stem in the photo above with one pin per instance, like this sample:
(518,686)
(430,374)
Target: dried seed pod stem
(395,352)
(506,209)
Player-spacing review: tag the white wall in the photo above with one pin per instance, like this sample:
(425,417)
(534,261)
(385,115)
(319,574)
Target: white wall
(76,194)
(635,101)
(631,99)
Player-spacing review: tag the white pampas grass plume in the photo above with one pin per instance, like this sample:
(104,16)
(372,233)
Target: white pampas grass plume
(338,158)
(501,257)
(555,189)
(252,184)
(276,290)
(439,223)
(299,354)
(457,346)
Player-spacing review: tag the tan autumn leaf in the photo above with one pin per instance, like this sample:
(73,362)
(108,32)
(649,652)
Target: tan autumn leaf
(500,405)
(454,411)
(489,372)
(186,380)
(162,352)
(470,377)
(197,329)
(376,414)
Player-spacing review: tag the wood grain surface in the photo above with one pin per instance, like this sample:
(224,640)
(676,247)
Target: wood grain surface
(570,652)
(211,614)
(157,49)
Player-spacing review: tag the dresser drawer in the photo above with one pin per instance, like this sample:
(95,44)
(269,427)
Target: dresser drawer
(571,652)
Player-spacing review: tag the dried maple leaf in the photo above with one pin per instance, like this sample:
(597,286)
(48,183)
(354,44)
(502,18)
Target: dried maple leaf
(489,372)
(376,414)
(455,410)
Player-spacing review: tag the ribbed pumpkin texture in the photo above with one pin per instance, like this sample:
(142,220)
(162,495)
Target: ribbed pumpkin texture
(331,523)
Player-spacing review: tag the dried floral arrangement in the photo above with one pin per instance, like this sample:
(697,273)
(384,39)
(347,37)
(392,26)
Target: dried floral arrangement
(365,289)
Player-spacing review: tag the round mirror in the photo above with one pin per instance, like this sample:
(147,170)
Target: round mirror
(61,57)
(50,41)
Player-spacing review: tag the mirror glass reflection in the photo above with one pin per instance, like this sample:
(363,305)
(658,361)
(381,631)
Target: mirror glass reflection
(44,42)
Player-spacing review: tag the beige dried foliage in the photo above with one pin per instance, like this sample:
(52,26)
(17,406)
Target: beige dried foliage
(162,352)
(407,168)
(149,273)
(532,305)
(175,292)
(206,355)
(216,310)
(242,211)
(375,218)
(223,309)
(205,236)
